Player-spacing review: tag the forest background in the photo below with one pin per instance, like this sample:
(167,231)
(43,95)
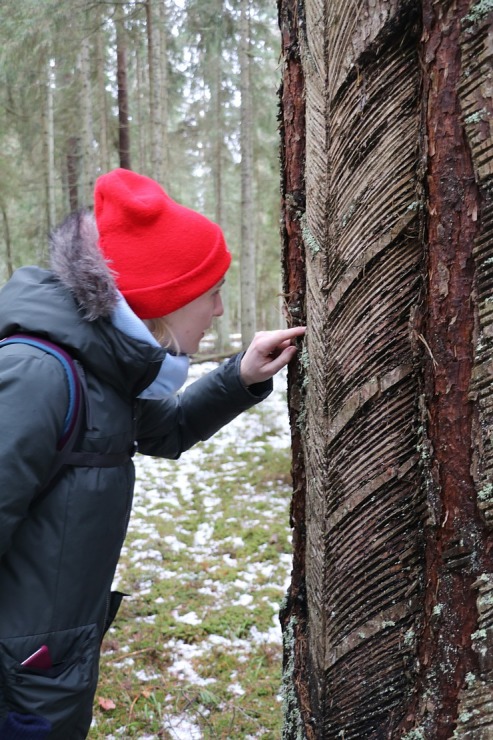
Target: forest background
(185,92)
(182,91)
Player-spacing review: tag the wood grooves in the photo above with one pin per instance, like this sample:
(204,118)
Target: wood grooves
(392,401)
(365,502)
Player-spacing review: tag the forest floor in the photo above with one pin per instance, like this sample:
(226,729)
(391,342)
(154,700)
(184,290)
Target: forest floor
(196,649)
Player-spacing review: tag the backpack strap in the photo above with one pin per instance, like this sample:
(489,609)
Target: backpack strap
(74,417)
(74,382)
(77,412)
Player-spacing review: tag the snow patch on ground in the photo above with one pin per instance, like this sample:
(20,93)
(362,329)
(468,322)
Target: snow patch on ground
(162,490)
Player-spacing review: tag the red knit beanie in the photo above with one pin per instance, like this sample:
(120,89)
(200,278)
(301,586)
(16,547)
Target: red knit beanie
(163,254)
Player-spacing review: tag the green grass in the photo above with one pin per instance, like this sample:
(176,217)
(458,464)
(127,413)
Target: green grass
(206,562)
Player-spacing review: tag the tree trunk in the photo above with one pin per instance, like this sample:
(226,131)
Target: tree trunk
(121,64)
(49,148)
(104,156)
(87,135)
(73,171)
(163,61)
(247,257)
(224,322)
(156,39)
(388,621)
(141,103)
(457,635)
(294,614)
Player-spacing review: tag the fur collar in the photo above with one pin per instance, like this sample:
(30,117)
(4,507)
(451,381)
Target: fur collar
(79,264)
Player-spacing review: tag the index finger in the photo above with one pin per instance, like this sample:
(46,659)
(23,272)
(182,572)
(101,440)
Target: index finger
(284,334)
(282,337)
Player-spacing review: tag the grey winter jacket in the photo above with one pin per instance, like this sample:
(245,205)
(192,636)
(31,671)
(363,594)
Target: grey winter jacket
(58,556)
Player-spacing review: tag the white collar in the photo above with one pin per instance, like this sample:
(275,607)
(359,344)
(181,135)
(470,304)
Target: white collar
(174,369)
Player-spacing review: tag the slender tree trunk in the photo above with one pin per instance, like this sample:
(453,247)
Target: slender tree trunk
(121,62)
(156,39)
(247,258)
(387,625)
(163,60)
(140,102)
(73,172)
(223,324)
(154,86)
(104,156)
(49,148)
(87,136)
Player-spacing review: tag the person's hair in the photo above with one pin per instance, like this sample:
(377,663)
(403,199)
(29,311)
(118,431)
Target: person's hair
(162,333)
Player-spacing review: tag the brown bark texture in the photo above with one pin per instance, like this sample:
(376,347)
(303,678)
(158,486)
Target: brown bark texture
(386,126)
(121,77)
(454,667)
(73,172)
(297,710)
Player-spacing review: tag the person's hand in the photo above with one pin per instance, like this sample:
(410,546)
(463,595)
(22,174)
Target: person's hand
(268,353)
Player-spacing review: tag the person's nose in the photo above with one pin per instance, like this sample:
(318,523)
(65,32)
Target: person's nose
(218,306)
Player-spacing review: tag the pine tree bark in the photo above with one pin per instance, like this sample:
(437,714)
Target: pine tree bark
(294,615)
(121,75)
(387,623)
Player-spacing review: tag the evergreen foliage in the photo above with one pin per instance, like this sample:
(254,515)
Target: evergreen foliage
(59,118)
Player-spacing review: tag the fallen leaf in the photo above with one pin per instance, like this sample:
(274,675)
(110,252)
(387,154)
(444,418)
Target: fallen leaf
(106,704)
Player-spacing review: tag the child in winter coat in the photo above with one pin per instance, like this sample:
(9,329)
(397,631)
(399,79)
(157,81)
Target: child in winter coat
(130,295)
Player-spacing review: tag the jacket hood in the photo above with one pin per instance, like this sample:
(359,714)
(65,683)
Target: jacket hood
(79,264)
(72,305)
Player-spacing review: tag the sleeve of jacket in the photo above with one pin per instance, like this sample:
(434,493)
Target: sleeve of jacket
(169,427)
(33,403)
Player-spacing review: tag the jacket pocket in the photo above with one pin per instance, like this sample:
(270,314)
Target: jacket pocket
(63,693)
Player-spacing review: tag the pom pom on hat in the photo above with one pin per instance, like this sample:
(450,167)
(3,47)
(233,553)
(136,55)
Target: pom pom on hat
(163,254)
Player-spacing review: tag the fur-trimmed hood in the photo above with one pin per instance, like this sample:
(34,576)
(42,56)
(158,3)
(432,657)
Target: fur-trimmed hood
(79,264)
(72,305)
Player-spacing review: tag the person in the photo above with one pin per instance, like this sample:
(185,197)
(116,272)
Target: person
(131,291)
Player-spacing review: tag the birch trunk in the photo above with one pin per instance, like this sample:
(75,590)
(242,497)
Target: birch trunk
(387,119)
